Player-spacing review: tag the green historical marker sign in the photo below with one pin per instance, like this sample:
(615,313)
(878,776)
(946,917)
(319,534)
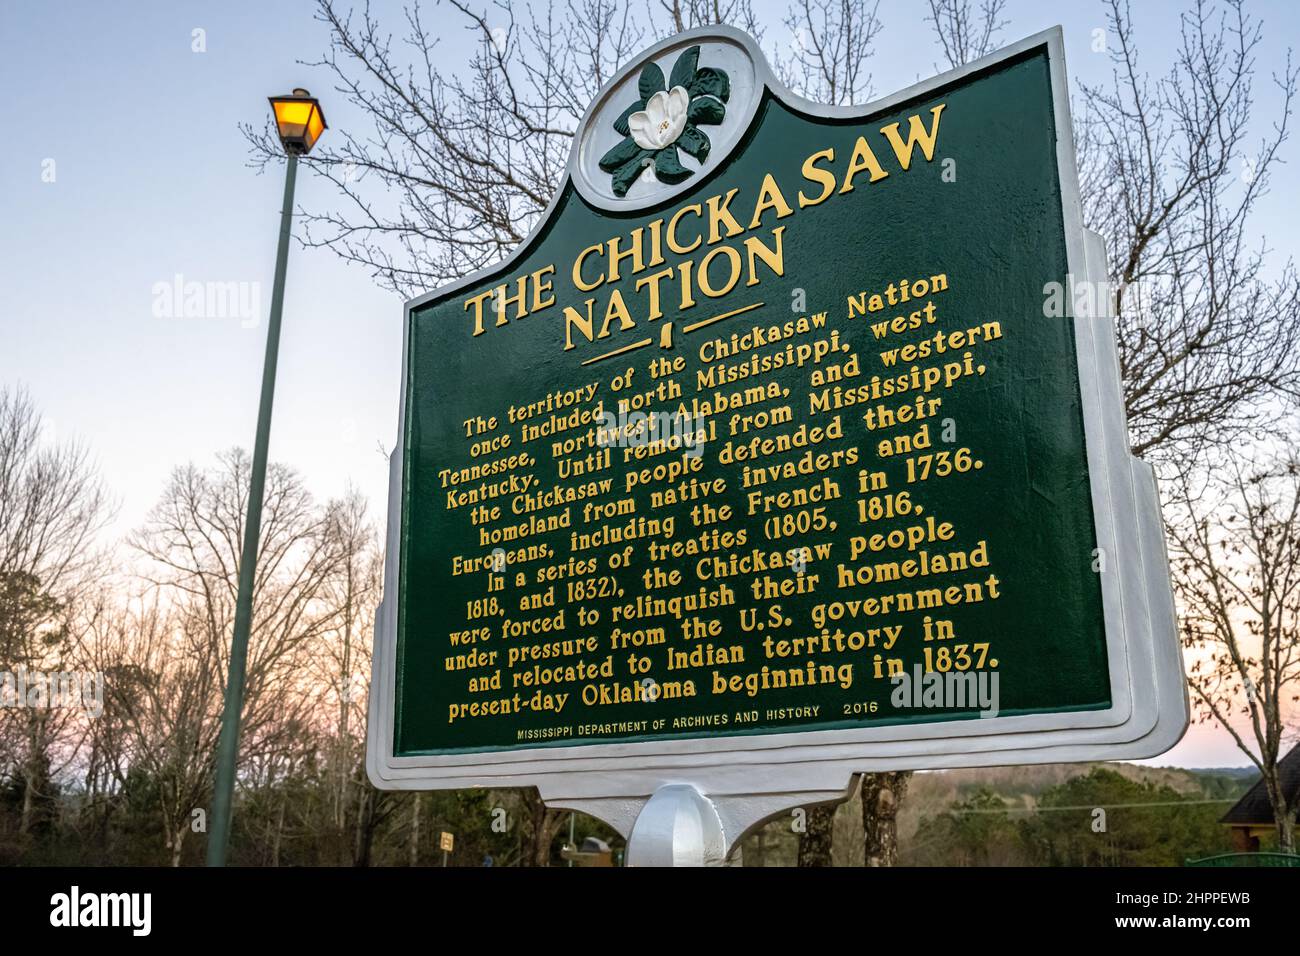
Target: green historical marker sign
(783,439)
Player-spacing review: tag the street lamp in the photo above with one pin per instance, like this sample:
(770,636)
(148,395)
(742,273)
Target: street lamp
(299,122)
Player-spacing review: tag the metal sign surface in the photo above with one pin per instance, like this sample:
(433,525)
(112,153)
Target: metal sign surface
(777,449)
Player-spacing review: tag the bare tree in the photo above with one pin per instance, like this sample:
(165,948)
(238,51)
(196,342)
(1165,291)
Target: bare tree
(701,13)
(882,795)
(1237,567)
(107,752)
(459,163)
(831,41)
(339,664)
(163,694)
(1207,332)
(1205,329)
(1207,338)
(52,501)
(193,539)
(52,507)
(965,33)
(817,838)
(278,767)
(541,826)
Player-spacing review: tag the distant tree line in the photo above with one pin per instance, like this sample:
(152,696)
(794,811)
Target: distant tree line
(120,768)
(1101,818)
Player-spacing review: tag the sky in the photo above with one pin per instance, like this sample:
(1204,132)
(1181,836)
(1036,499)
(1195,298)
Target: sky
(122,168)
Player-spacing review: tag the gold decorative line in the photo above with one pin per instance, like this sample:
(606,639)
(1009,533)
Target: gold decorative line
(724,315)
(627,348)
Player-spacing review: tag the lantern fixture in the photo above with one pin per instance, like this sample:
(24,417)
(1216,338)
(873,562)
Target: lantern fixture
(300,122)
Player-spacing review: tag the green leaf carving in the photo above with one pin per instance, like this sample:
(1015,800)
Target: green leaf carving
(705,109)
(684,69)
(694,142)
(620,124)
(626,174)
(652,80)
(709,82)
(668,168)
(625,150)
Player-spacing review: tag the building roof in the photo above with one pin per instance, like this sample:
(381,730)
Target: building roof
(1253,809)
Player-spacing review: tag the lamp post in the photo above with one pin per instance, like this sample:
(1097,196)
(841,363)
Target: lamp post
(299,121)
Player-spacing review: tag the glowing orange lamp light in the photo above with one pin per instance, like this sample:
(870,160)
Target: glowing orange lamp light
(300,121)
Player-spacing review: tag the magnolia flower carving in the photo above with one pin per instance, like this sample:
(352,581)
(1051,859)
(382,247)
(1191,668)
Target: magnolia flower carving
(665,119)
